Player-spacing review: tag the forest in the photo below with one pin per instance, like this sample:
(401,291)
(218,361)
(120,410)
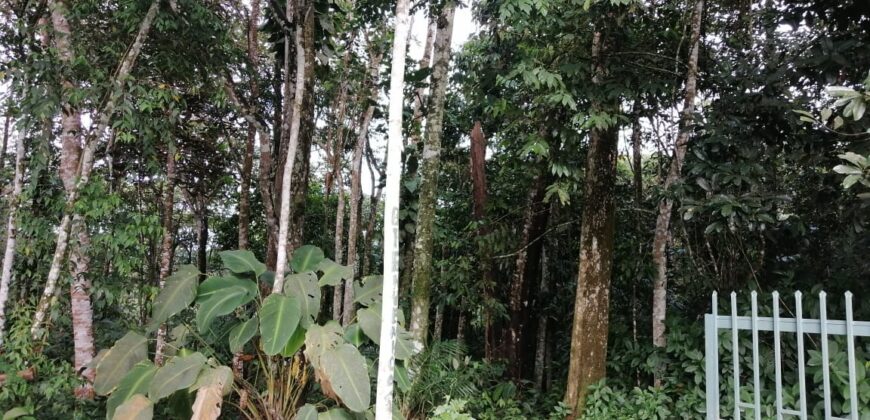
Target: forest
(490,209)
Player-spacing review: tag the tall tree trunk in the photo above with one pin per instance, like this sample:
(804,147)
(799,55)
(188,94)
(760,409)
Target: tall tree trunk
(663,220)
(518,303)
(248,160)
(356,188)
(386,352)
(302,167)
(591,304)
(374,203)
(541,343)
(479,197)
(85,165)
(201,215)
(11,232)
(422,279)
(420,92)
(166,244)
(337,295)
(291,128)
(6,122)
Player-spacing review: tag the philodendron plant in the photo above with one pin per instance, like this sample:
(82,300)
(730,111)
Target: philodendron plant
(278,329)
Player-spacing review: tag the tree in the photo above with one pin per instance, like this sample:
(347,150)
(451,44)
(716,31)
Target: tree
(386,353)
(422,279)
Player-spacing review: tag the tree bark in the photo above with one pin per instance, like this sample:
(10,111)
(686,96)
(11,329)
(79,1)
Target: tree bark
(479,197)
(201,214)
(166,244)
(302,167)
(592,300)
(356,188)
(292,140)
(6,122)
(541,344)
(420,92)
(663,220)
(386,352)
(248,160)
(422,278)
(14,202)
(86,163)
(518,303)
(337,292)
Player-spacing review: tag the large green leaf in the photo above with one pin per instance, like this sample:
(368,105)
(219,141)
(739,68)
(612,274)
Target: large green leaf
(335,414)
(136,382)
(279,317)
(210,376)
(294,343)
(178,293)
(306,412)
(178,373)
(370,323)
(333,273)
(222,302)
(353,334)
(319,339)
(242,333)
(304,286)
(137,407)
(402,379)
(117,361)
(214,285)
(242,262)
(370,292)
(306,258)
(348,375)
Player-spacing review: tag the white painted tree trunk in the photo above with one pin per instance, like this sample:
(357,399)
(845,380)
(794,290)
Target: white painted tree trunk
(293,144)
(11,233)
(386,353)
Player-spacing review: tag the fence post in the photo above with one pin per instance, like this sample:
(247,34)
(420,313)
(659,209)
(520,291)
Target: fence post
(711,359)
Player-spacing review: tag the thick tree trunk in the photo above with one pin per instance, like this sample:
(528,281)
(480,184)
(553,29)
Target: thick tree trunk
(166,244)
(386,352)
(592,301)
(291,129)
(85,165)
(663,220)
(356,189)
(422,278)
(11,232)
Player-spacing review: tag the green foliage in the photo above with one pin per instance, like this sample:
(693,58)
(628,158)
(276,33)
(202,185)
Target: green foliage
(279,317)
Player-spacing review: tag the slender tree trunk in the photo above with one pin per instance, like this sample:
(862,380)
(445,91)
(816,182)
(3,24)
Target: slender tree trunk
(14,203)
(201,215)
(292,139)
(6,122)
(356,189)
(518,304)
(166,244)
(248,160)
(591,304)
(386,352)
(302,167)
(87,160)
(663,220)
(541,344)
(337,295)
(422,279)
(478,193)
(420,92)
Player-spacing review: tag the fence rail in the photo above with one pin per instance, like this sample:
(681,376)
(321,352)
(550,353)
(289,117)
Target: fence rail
(713,322)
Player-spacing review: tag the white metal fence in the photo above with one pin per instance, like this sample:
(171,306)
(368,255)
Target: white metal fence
(798,326)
